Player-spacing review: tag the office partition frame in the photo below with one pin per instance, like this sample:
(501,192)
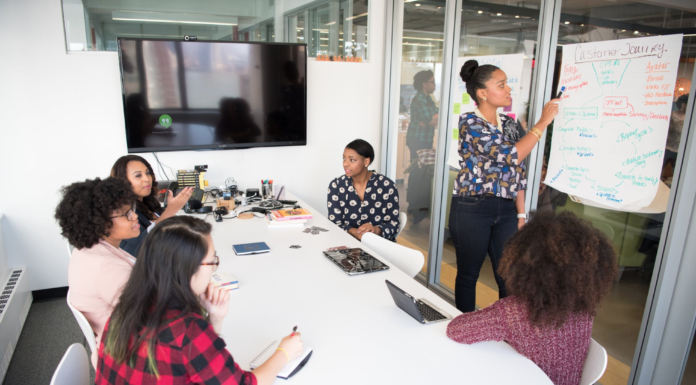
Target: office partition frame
(669,315)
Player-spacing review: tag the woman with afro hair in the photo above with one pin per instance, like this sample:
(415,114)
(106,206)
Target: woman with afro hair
(557,270)
(95,216)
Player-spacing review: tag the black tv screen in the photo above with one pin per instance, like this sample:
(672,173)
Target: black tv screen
(210,95)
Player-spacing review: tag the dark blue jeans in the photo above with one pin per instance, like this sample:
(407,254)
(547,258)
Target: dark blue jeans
(479,225)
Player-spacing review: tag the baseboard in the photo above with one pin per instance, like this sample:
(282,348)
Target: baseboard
(50,294)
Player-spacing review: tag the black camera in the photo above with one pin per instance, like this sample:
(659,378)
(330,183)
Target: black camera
(191,38)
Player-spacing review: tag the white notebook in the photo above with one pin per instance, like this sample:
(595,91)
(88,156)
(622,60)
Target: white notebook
(290,368)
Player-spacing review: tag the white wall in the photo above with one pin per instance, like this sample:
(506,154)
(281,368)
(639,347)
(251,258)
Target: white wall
(61,121)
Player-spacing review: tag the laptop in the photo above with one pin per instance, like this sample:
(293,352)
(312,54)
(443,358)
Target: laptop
(420,309)
(355,261)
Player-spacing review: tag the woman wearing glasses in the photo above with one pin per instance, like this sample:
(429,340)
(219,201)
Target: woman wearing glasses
(139,173)
(165,328)
(96,216)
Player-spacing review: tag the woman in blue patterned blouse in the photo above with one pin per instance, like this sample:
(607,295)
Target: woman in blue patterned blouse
(363,201)
(489,206)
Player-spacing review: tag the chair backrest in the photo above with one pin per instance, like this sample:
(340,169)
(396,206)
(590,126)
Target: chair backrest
(73,368)
(84,325)
(402,222)
(70,249)
(407,260)
(595,364)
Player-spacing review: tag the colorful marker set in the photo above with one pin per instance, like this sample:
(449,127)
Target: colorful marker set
(266,188)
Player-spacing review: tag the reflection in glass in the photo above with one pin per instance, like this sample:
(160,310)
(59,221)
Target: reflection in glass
(339,27)
(634,235)
(334,28)
(205,92)
(421,73)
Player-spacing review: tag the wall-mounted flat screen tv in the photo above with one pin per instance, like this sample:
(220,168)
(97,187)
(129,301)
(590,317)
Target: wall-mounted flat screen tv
(212,95)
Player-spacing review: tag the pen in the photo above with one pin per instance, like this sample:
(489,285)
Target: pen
(560,92)
(293,331)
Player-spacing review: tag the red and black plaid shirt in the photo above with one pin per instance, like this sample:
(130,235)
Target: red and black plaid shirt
(188,351)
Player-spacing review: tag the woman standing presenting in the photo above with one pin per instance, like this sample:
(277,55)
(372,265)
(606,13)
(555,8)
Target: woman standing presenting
(489,207)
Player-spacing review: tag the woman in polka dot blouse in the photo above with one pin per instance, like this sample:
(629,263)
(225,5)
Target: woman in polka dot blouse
(363,201)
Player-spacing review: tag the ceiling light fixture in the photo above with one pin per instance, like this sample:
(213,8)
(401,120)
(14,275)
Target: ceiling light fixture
(356,16)
(480,12)
(567,22)
(173,21)
(517,16)
(499,14)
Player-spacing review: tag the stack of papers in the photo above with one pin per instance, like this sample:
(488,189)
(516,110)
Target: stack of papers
(273,223)
(226,280)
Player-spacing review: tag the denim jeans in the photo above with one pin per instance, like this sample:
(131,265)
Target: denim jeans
(479,225)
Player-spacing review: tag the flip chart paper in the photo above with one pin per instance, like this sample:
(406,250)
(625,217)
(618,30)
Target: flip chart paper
(610,133)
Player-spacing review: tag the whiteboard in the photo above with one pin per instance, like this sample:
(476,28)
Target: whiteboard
(512,65)
(610,133)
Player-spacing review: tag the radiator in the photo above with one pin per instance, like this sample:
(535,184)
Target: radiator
(15,301)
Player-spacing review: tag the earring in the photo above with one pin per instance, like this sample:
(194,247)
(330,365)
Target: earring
(485,99)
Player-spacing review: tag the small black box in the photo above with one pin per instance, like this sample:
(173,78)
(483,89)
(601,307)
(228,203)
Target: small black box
(252,192)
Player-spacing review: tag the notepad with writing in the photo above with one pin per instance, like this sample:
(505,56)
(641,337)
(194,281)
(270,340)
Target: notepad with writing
(290,368)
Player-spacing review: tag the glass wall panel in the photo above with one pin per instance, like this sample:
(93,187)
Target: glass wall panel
(689,377)
(333,28)
(419,92)
(635,235)
(95,25)
(503,35)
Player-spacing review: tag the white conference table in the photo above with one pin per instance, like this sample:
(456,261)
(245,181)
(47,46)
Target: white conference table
(357,332)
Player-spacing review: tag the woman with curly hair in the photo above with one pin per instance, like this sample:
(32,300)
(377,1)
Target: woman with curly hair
(96,216)
(557,270)
(138,172)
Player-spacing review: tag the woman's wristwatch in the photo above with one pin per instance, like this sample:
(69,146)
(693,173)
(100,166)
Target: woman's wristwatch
(522,216)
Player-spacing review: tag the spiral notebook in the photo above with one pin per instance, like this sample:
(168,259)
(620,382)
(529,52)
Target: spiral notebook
(290,368)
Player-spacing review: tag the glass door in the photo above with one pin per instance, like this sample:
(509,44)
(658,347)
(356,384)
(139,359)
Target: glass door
(635,234)
(506,36)
(419,76)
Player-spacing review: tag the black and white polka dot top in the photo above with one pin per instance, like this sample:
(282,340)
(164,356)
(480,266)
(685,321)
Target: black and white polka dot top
(379,207)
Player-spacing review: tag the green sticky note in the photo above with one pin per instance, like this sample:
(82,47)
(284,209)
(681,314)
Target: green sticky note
(465,98)
(455,134)
(165,121)
(457,109)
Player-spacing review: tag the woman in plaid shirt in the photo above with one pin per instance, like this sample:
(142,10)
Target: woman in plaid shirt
(165,328)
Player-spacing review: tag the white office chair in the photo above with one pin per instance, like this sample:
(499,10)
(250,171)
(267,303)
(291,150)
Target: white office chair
(84,325)
(595,364)
(70,249)
(73,368)
(402,223)
(407,260)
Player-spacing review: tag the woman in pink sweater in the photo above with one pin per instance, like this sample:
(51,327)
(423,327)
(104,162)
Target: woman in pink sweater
(557,270)
(95,216)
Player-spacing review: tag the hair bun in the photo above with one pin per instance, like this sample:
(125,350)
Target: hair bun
(468,69)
